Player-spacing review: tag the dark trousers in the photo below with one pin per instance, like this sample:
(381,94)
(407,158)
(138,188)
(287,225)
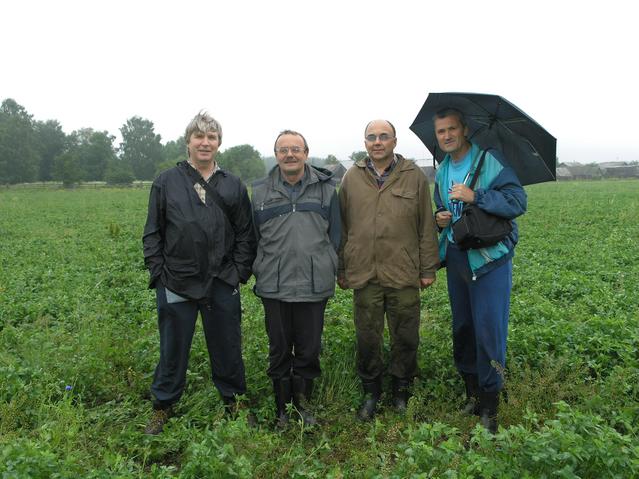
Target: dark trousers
(480,311)
(401,307)
(221,321)
(294,337)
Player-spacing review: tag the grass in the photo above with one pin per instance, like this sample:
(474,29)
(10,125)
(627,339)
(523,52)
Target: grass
(75,311)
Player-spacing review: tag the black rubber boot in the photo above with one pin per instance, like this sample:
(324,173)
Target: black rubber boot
(488,405)
(471,406)
(302,389)
(372,391)
(400,394)
(283,396)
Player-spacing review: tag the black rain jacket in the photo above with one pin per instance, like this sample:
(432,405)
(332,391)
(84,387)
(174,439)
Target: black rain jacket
(187,244)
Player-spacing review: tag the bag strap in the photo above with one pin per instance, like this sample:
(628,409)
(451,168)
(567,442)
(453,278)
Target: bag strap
(478,169)
(215,196)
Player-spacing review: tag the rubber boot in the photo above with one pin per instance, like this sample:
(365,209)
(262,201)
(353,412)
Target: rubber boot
(372,391)
(400,394)
(471,406)
(488,405)
(282,391)
(302,389)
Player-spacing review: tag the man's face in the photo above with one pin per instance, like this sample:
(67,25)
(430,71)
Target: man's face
(380,141)
(451,136)
(290,155)
(203,146)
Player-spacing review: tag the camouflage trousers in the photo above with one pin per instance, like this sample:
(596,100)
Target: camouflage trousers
(401,308)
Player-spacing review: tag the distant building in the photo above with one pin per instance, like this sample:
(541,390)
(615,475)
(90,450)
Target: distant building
(563,173)
(584,172)
(338,170)
(426,165)
(617,169)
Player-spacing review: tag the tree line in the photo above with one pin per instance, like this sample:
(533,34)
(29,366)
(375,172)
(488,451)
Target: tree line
(33,150)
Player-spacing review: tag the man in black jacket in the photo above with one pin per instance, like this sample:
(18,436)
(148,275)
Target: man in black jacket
(199,244)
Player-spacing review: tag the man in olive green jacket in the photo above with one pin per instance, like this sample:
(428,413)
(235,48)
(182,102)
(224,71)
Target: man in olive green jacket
(387,253)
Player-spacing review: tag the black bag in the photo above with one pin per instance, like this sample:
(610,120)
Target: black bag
(476,228)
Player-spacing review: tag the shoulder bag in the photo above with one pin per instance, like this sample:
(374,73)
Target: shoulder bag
(476,228)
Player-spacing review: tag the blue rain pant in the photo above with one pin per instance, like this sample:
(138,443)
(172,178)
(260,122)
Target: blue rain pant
(480,311)
(221,323)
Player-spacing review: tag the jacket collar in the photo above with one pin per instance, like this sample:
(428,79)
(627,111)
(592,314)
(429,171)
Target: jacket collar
(401,166)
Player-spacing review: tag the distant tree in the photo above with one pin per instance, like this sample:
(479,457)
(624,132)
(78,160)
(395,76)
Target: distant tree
(331,160)
(165,165)
(141,148)
(269,162)
(175,151)
(67,168)
(119,173)
(243,161)
(94,150)
(51,141)
(316,161)
(358,155)
(19,158)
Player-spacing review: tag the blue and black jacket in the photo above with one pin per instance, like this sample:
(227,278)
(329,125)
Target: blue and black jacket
(497,191)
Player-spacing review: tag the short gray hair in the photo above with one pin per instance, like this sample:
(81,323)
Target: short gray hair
(446,112)
(203,122)
(294,133)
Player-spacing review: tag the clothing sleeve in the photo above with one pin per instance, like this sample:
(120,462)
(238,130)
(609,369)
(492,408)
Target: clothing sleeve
(344,227)
(153,236)
(245,243)
(428,246)
(505,197)
(256,229)
(335,222)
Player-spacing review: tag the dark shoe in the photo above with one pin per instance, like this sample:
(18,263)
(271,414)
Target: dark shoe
(229,405)
(302,389)
(471,406)
(283,396)
(400,394)
(488,405)
(372,391)
(158,420)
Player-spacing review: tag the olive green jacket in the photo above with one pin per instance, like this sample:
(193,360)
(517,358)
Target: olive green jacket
(388,234)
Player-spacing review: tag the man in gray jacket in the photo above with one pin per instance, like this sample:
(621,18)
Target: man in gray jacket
(297,221)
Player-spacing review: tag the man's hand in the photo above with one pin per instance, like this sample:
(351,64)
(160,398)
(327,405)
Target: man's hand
(461,192)
(443,218)
(425,282)
(341,282)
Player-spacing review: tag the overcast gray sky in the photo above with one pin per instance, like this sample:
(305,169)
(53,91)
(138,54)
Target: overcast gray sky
(325,68)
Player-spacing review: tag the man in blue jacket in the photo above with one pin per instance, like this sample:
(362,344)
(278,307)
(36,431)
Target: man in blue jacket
(479,280)
(199,245)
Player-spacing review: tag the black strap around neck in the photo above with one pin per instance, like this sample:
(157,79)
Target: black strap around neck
(215,196)
(478,169)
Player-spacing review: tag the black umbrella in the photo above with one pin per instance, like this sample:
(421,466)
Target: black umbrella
(494,122)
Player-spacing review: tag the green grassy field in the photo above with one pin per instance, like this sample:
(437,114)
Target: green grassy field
(79,342)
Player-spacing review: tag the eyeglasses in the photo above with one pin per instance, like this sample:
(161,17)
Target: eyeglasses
(296,150)
(382,137)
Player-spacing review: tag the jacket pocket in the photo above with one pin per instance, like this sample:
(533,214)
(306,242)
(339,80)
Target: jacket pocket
(181,266)
(323,268)
(403,202)
(267,275)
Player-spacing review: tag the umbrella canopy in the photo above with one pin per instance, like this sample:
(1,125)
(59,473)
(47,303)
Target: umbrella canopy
(494,122)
